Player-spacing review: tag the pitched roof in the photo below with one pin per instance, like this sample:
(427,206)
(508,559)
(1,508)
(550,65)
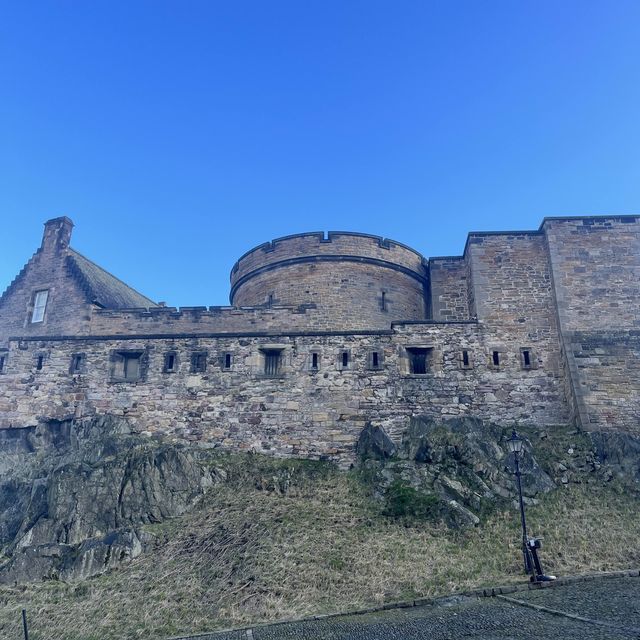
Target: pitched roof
(103,288)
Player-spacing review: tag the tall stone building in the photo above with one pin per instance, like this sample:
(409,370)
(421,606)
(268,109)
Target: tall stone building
(326,333)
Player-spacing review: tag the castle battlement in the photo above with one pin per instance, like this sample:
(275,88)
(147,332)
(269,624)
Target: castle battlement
(331,243)
(329,332)
(199,320)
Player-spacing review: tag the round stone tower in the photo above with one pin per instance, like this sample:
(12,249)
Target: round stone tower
(357,281)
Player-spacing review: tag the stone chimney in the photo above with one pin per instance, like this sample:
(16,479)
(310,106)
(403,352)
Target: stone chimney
(57,234)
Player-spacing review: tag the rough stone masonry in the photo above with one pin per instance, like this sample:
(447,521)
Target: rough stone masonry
(329,332)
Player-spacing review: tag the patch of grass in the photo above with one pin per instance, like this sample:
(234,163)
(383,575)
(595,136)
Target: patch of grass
(253,552)
(403,501)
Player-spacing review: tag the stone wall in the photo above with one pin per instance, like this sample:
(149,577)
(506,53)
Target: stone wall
(511,280)
(596,271)
(301,411)
(449,295)
(606,369)
(350,295)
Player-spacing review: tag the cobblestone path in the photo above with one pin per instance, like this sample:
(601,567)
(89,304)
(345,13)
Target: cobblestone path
(612,607)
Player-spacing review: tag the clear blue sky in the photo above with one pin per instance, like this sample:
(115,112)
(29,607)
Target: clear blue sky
(177,135)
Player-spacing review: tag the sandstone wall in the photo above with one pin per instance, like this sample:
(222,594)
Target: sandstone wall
(349,294)
(606,367)
(511,280)
(448,280)
(302,411)
(595,268)
(596,271)
(512,294)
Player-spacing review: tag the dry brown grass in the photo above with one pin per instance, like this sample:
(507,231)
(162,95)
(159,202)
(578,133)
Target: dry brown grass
(254,555)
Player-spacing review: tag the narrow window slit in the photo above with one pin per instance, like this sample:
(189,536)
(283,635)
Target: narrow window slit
(76,363)
(496,358)
(170,362)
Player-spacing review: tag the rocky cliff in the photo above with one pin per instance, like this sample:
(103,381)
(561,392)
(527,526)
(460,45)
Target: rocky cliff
(74,494)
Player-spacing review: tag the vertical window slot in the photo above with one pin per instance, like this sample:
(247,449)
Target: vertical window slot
(76,363)
(170,362)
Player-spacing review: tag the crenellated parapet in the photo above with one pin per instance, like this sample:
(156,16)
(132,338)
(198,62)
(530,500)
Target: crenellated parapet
(205,320)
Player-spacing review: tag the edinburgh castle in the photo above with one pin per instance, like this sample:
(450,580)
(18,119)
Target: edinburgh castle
(328,333)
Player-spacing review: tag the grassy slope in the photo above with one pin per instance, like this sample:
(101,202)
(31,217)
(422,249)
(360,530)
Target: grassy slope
(252,553)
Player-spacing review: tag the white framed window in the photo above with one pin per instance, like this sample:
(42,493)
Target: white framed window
(39,305)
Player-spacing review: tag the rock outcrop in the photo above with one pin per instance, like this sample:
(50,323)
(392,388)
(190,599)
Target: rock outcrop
(74,495)
(461,462)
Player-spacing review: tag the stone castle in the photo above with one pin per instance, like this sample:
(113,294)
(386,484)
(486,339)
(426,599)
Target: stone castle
(328,333)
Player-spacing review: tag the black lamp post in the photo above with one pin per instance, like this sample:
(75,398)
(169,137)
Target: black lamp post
(515,443)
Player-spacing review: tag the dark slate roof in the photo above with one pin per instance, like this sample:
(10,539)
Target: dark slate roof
(101,287)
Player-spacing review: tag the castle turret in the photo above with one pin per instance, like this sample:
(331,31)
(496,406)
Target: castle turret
(359,281)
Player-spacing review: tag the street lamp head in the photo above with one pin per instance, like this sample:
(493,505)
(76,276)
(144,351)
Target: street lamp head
(515,443)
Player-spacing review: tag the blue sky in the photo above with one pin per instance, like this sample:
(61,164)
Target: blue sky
(177,135)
